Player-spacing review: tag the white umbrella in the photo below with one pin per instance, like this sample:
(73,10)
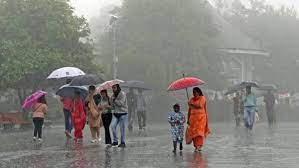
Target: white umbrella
(108,84)
(65,72)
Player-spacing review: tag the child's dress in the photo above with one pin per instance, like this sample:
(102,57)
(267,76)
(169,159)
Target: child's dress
(177,120)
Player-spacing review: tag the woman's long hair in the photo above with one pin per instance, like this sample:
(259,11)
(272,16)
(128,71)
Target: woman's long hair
(198,90)
(107,96)
(42,100)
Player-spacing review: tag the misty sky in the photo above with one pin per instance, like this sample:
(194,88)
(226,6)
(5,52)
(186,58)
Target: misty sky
(90,8)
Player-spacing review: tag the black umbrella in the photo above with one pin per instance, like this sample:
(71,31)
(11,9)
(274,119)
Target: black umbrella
(240,86)
(267,87)
(135,84)
(87,80)
(249,84)
(69,91)
(233,89)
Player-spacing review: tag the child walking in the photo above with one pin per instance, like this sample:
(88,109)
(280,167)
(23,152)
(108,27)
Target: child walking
(39,110)
(176,120)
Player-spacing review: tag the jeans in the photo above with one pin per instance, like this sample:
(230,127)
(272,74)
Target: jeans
(107,118)
(68,120)
(38,125)
(141,119)
(121,121)
(249,117)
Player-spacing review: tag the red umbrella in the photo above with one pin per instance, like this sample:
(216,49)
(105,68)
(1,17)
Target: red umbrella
(185,83)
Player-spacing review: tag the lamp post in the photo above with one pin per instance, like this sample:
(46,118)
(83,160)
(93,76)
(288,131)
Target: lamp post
(113,23)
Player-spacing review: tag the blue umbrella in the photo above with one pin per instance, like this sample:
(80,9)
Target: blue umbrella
(69,91)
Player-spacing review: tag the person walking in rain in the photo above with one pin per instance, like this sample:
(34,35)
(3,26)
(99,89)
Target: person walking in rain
(132,103)
(105,106)
(120,116)
(78,117)
(250,108)
(177,120)
(198,127)
(39,110)
(94,115)
(269,100)
(67,107)
(141,110)
(237,108)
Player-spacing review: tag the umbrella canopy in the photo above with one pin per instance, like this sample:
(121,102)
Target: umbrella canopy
(267,87)
(87,80)
(185,83)
(135,84)
(108,84)
(233,89)
(65,72)
(249,83)
(240,86)
(32,99)
(69,91)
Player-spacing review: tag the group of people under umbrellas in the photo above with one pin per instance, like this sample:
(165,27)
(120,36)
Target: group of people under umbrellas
(245,103)
(95,107)
(85,100)
(101,110)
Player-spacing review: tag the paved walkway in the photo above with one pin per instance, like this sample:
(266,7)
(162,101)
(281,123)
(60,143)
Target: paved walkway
(227,147)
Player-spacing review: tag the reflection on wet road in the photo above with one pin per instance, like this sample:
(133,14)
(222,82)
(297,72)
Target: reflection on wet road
(226,147)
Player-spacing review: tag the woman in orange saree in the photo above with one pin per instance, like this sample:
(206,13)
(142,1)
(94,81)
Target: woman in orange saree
(198,128)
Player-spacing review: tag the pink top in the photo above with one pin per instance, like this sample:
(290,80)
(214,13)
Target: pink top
(39,110)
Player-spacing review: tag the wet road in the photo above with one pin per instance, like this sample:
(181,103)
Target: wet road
(227,147)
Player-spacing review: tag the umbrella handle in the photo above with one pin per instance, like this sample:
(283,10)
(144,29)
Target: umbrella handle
(186,89)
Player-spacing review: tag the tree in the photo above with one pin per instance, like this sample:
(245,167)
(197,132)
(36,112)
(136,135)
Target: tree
(38,36)
(157,41)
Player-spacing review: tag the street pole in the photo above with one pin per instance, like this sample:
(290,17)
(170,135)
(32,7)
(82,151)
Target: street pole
(115,59)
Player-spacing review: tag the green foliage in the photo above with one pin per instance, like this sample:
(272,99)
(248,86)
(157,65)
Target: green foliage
(38,36)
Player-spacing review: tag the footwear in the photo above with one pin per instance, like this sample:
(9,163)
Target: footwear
(122,145)
(34,138)
(40,140)
(197,149)
(68,135)
(100,139)
(114,144)
(93,141)
(79,141)
(174,151)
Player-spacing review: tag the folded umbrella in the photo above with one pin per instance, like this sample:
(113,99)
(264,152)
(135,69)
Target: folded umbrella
(89,79)
(32,99)
(65,72)
(69,91)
